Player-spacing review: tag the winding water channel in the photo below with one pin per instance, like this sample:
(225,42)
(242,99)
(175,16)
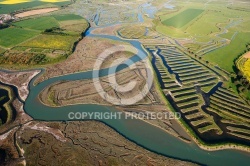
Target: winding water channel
(140,132)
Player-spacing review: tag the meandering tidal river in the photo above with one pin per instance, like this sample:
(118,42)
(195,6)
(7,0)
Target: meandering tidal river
(138,131)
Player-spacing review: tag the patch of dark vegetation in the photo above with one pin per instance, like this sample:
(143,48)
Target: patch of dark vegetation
(55,31)
(2,156)
(3,26)
(4,98)
(241,83)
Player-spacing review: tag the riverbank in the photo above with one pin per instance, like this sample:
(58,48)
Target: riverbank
(20,80)
(96,142)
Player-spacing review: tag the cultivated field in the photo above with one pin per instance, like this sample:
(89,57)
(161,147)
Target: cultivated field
(41,40)
(225,56)
(41,23)
(217,22)
(13,36)
(67,17)
(56,42)
(243,64)
(182,18)
(10,6)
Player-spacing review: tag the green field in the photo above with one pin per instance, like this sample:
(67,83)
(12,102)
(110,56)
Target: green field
(228,35)
(170,31)
(52,42)
(28,5)
(40,40)
(67,17)
(41,23)
(13,36)
(225,56)
(29,28)
(74,26)
(182,18)
(207,24)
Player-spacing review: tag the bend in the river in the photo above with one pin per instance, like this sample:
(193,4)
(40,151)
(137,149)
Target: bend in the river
(138,131)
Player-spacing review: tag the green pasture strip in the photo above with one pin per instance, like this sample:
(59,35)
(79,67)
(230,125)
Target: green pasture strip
(10,37)
(182,18)
(225,56)
(52,42)
(67,17)
(41,23)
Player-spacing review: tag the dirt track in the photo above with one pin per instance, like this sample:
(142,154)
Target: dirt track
(35,12)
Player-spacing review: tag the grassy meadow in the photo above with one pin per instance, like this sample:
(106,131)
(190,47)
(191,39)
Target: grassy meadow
(52,41)
(67,17)
(13,36)
(71,23)
(225,56)
(206,25)
(40,24)
(182,18)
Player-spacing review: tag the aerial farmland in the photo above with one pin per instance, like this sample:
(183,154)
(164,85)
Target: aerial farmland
(135,82)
